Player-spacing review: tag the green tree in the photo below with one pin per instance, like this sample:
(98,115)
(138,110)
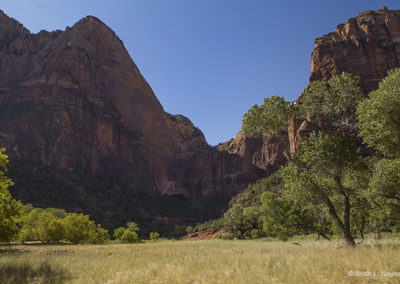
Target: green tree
(55,230)
(9,207)
(133,227)
(379,116)
(130,237)
(326,173)
(333,103)
(285,218)
(384,193)
(29,226)
(43,222)
(271,117)
(118,232)
(80,229)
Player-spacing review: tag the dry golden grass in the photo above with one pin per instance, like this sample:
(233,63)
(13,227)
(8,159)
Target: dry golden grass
(209,261)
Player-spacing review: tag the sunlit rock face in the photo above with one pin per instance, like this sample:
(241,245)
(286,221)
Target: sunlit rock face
(367,45)
(74,100)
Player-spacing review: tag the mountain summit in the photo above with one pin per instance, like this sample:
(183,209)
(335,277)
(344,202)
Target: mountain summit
(75,101)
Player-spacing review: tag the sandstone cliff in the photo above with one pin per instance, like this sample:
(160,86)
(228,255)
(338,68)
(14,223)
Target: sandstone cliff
(75,101)
(367,45)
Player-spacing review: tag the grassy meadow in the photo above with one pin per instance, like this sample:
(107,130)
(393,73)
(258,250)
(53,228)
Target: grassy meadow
(206,261)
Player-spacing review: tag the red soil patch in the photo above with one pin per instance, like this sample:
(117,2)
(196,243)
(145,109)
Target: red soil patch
(204,235)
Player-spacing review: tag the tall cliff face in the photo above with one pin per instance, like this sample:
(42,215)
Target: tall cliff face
(367,45)
(75,101)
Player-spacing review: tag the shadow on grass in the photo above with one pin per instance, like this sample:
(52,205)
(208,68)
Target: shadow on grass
(27,272)
(11,251)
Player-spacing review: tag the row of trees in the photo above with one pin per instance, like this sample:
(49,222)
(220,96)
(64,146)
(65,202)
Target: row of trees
(25,223)
(334,184)
(55,225)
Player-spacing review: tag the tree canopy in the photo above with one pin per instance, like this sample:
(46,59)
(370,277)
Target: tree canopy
(270,117)
(9,207)
(334,101)
(379,116)
(327,171)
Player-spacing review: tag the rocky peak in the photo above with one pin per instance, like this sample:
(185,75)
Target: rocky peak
(74,100)
(10,28)
(367,45)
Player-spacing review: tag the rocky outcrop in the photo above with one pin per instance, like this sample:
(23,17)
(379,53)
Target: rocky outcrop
(367,45)
(74,100)
(265,151)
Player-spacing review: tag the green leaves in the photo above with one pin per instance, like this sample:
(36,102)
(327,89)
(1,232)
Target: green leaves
(9,207)
(379,116)
(323,174)
(80,229)
(271,117)
(333,103)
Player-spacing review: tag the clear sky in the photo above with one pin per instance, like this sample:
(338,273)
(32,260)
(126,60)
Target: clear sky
(210,60)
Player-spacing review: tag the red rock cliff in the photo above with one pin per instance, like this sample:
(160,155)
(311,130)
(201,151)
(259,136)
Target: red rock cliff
(75,100)
(367,45)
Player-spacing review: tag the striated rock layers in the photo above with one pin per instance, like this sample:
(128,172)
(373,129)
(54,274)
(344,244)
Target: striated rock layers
(367,45)
(265,151)
(74,100)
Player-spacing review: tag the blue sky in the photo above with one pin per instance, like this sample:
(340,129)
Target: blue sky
(210,60)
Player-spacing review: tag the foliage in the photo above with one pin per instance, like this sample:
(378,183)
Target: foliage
(42,226)
(9,207)
(130,237)
(80,229)
(384,193)
(329,171)
(283,218)
(127,234)
(189,230)
(334,101)
(132,226)
(270,117)
(214,224)
(154,236)
(379,116)
(225,236)
(118,232)
(55,225)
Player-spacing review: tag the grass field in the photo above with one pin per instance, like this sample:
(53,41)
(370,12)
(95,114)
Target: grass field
(208,261)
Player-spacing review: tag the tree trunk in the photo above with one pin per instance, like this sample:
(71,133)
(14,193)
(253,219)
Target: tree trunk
(348,238)
(362,228)
(345,225)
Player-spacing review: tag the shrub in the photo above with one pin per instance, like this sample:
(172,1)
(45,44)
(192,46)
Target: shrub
(225,236)
(79,229)
(154,236)
(118,232)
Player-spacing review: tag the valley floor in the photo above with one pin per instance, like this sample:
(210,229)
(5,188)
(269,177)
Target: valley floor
(208,261)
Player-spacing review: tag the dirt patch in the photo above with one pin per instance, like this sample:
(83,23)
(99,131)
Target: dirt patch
(204,235)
